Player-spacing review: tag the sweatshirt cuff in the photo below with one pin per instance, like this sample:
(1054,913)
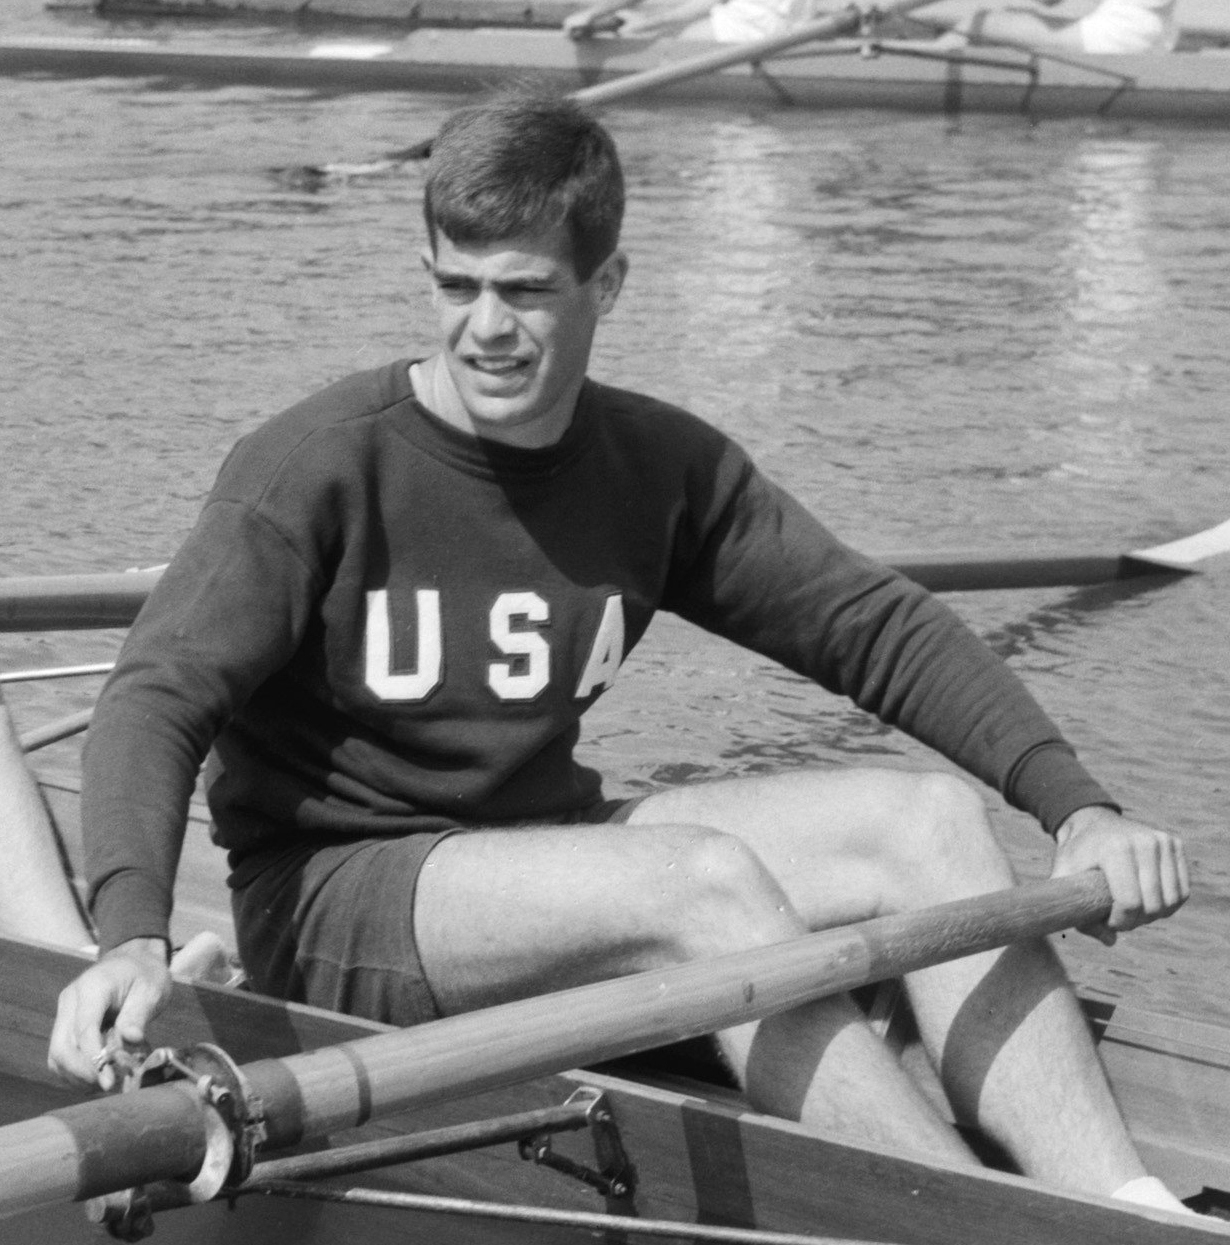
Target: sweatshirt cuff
(129,905)
(1051,784)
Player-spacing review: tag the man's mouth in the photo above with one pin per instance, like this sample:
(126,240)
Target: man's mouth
(497,366)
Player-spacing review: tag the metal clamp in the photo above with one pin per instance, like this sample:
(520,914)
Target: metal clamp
(233,1117)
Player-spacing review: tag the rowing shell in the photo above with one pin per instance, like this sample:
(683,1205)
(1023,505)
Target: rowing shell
(1189,86)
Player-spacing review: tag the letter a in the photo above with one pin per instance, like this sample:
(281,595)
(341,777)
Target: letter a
(378,657)
(606,654)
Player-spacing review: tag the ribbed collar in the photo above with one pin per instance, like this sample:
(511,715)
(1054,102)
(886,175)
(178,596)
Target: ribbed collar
(478,456)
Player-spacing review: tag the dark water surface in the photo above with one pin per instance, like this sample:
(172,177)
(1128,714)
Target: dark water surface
(1004,337)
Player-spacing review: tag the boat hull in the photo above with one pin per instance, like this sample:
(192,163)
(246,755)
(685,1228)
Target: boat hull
(1190,87)
(700,1154)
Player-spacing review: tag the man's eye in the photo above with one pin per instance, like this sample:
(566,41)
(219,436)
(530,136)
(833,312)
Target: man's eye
(456,290)
(527,295)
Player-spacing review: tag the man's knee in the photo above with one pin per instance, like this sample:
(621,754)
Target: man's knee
(729,900)
(942,845)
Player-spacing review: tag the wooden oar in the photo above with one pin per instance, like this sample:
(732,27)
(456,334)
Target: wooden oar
(974,572)
(724,56)
(74,602)
(81,602)
(100,1146)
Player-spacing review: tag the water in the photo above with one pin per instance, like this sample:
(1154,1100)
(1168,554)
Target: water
(1002,337)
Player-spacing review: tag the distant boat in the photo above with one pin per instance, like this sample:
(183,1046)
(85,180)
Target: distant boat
(466,45)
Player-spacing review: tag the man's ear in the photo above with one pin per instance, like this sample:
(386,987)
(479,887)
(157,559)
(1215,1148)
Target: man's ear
(609,280)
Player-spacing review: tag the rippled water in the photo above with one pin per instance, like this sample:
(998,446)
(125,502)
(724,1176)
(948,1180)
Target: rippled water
(1001,337)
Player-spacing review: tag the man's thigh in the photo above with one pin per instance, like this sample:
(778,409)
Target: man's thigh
(504,914)
(827,835)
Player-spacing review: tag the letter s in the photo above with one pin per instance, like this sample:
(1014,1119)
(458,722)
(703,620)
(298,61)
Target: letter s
(529,673)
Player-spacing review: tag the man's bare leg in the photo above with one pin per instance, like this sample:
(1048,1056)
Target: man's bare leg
(506,914)
(36,899)
(1003,1029)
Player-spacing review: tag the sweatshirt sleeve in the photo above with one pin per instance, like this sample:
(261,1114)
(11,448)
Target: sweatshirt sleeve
(228,612)
(764,573)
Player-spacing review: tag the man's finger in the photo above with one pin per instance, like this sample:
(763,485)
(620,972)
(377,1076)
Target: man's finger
(139,1007)
(75,1046)
(1150,863)
(1123,878)
(1175,884)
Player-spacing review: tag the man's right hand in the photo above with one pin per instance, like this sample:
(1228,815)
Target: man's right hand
(128,986)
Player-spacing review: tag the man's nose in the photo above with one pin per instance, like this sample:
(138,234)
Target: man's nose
(490,316)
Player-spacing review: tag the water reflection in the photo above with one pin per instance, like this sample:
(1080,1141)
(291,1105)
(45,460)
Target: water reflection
(1103,356)
(731,198)
(1079,608)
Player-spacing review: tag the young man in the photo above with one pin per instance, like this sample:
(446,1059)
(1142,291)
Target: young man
(401,597)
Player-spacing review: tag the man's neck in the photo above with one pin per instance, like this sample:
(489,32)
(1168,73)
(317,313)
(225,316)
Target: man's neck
(434,389)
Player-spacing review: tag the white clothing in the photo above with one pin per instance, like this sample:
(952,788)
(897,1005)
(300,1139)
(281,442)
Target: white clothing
(744,21)
(1117,26)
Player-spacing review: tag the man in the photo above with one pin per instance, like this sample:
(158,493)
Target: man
(401,597)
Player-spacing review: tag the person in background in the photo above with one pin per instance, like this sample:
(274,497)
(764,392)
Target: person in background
(726,21)
(1113,27)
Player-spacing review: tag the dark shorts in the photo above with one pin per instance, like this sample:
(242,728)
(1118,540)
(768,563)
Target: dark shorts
(333,925)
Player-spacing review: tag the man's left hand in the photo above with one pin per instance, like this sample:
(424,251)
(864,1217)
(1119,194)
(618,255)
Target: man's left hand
(1145,868)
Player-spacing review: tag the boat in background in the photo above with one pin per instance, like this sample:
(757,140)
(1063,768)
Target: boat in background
(469,45)
(1201,23)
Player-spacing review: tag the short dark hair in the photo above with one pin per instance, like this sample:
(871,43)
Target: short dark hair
(521,163)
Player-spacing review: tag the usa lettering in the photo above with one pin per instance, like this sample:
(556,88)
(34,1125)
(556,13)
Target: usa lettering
(516,626)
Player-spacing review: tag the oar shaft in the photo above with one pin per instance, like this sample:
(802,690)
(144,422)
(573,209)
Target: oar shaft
(105,1144)
(340,1087)
(73,602)
(977,572)
(843,22)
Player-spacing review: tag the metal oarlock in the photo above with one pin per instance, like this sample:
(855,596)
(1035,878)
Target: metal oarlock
(613,1175)
(234,1127)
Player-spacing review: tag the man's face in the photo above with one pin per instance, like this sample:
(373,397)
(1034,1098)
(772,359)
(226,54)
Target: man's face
(516,328)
